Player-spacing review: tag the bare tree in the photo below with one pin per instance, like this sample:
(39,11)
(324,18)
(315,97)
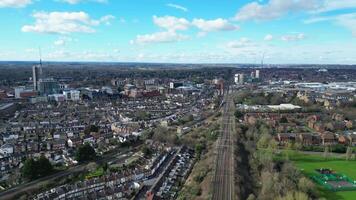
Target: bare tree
(305,185)
(349,153)
(326,151)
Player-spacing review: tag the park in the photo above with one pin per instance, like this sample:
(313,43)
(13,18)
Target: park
(336,171)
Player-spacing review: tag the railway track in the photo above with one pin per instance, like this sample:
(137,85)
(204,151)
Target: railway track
(223,180)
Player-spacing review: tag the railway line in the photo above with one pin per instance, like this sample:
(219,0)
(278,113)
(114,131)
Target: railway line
(223,179)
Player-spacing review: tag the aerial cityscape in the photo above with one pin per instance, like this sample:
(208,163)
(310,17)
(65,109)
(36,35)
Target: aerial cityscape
(186,100)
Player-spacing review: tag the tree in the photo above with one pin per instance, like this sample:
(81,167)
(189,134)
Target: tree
(326,151)
(300,196)
(85,153)
(339,148)
(28,170)
(349,153)
(105,167)
(305,185)
(142,115)
(283,120)
(34,169)
(272,145)
(292,195)
(162,134)
(264,129)
(329,126)
(268,181)
(91,128)
(264,140)
(146,151)
(238,114)
(251,197)
(147,134)
(199,149)
(298,146)
(44,167)
(289,147)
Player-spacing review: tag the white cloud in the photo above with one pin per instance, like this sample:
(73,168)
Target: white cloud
(59,42)
(347,21)
(201,34)
(107,19)
(268,37)
(62,41)
(218,24)
(64,22)
(176,6)
(317,19)
(293,37)
(241,43)
(274,9)
(329,5)
(71,1)
(14,3)
(160,37)
(31,50)
(79,1)
(171,23)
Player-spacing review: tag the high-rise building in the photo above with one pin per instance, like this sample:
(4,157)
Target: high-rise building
(252,75)
(239,79)
(257,74)
(48,86)
(236,78)
(36,76)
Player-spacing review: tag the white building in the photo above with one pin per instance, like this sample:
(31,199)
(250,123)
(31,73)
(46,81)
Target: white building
(239,79)
(284,107)
(18,91)
(6,150)
(72,95)
(257,74)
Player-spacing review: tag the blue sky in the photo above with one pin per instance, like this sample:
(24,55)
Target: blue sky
(194,31)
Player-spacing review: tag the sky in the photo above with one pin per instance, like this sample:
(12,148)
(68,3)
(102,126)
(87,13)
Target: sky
(180,31)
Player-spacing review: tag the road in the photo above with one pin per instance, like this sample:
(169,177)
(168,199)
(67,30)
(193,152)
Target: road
(223,180)
(36,184)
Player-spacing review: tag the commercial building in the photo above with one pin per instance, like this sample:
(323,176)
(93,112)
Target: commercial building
(173,85)
(239,79)
(48,86)
(18,91)
(72,95)
(23,92)
(38,99)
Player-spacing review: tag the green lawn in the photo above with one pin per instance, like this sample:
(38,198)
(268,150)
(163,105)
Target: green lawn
(98,172)
(308,163)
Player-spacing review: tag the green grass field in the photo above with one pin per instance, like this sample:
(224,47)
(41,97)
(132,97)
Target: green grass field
(308,163)
(98,172)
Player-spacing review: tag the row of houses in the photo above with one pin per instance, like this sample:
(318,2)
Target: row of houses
(117,185)
(323,138)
